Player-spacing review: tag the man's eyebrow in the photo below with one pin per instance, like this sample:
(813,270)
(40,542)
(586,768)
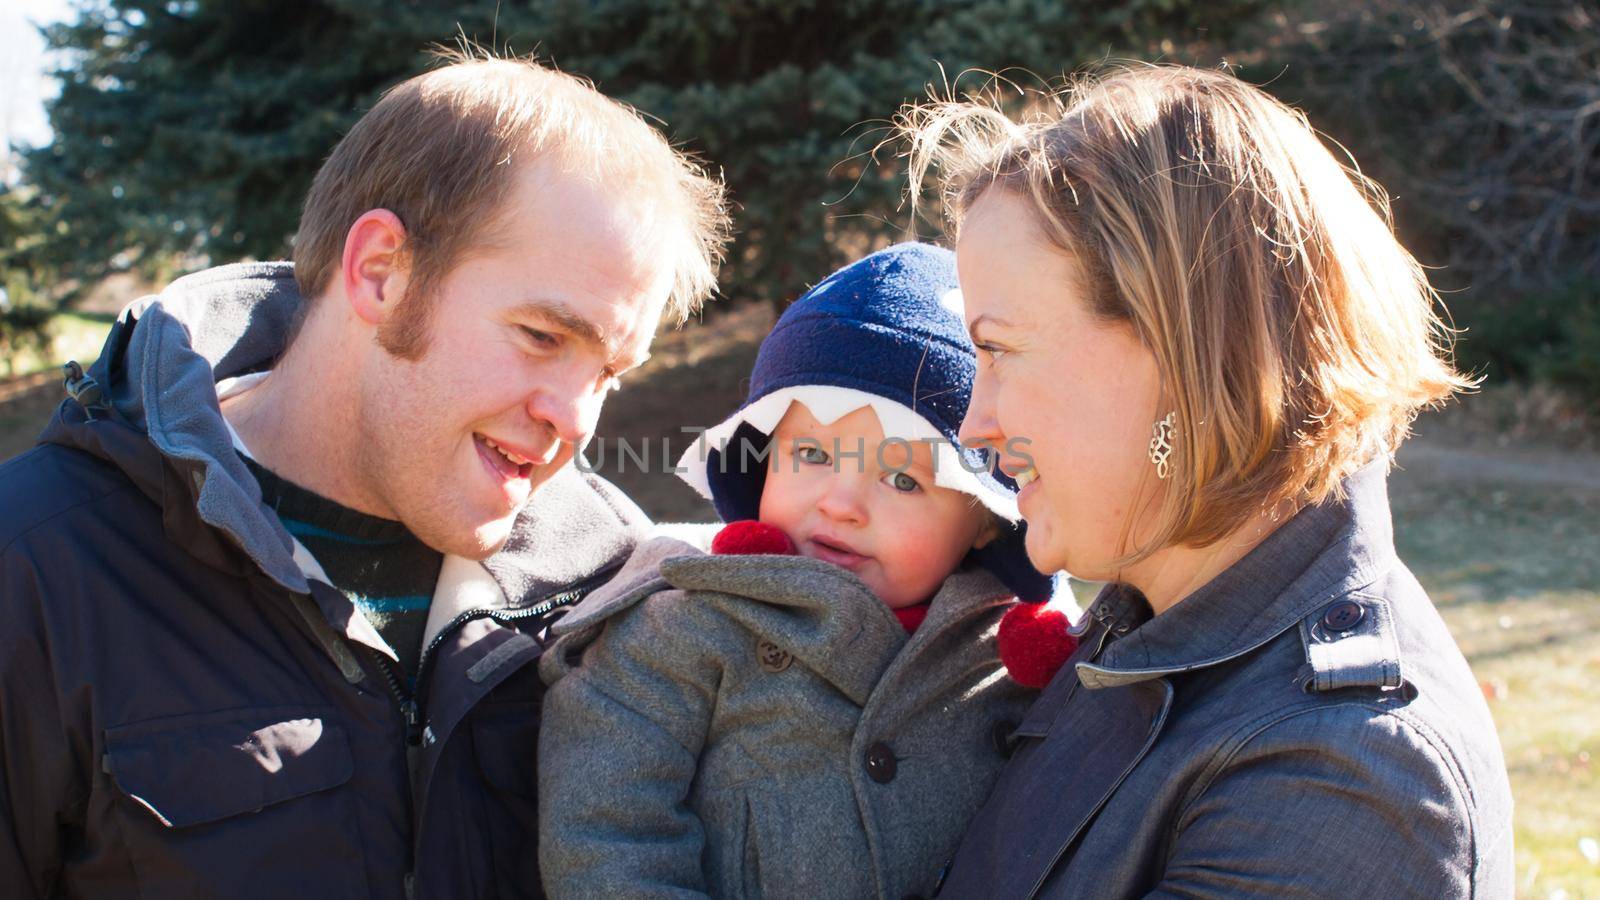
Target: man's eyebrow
(564,317)
(568,320)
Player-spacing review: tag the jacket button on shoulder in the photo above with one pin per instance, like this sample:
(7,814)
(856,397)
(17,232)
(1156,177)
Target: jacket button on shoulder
(881,763)
(1343,615)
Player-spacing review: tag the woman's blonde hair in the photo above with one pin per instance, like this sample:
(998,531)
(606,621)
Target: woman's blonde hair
(1295,337)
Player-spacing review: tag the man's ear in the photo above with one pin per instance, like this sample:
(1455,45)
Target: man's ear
(375,268)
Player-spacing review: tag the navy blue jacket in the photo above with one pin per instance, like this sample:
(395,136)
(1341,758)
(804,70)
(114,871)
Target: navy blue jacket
(1301,726)
(184,714)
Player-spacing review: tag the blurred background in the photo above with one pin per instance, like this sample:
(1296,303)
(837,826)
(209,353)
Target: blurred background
(140,139)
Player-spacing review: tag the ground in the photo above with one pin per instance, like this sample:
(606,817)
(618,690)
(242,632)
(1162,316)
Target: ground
(1499,519)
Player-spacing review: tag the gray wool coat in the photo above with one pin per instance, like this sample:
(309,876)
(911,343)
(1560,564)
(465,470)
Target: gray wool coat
(762,726)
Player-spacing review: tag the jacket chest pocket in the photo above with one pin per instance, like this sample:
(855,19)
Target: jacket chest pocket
(238,803)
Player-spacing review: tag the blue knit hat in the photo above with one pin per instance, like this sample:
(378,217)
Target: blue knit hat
(885,332)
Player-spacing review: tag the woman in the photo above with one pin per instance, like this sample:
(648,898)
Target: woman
(1201,344)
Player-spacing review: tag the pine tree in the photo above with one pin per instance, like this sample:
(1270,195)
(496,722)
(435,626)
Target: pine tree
(196,125)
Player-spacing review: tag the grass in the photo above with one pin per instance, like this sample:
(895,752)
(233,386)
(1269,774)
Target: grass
(1515,569)
(1502,528)
(33,389)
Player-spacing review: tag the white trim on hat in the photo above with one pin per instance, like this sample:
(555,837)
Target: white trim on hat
(828,404)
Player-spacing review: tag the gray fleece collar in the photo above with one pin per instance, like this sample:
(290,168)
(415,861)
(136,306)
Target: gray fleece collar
(204,327)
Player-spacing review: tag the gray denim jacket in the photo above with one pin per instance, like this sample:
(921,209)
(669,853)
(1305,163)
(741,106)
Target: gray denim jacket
(1301,726)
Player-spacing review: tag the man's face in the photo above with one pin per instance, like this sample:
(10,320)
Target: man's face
(527,335)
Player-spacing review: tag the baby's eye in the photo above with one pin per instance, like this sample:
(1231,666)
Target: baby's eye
(900,481)
(811,454)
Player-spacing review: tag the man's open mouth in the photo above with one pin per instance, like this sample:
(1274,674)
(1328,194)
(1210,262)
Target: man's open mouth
(506,462)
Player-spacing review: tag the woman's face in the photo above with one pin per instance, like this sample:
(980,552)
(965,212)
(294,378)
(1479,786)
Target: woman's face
(1073,395)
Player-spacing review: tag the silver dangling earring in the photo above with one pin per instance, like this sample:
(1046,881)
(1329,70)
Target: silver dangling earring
(1161,445)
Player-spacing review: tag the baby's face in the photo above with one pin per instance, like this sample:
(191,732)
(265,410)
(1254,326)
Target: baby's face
(846,496)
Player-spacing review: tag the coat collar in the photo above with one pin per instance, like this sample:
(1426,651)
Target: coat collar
(818,612)
(1321,553)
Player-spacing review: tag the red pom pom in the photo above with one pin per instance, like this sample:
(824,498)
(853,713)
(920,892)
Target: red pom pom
(1034,643)
(748,536)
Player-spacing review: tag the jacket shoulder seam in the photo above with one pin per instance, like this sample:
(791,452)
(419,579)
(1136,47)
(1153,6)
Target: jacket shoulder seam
(1465,795)
(596,685)
(96,498)
(1244,735)
(603,630)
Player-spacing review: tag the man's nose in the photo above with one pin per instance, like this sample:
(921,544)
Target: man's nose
(570,408)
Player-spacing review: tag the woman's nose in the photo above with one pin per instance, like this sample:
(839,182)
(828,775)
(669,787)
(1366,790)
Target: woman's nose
(980,427)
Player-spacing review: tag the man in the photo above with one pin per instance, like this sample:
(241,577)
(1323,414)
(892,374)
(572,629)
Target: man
(271,584)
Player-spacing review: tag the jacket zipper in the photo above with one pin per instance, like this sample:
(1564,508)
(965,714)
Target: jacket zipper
(404,699)
(412,704)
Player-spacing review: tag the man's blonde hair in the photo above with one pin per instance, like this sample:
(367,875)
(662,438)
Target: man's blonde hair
(440,151)
(1296,339)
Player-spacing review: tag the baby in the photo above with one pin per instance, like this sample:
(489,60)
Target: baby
(822,718)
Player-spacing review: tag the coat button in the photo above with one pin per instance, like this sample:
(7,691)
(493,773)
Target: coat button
(772,657)
(1343,615)
(881,763)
